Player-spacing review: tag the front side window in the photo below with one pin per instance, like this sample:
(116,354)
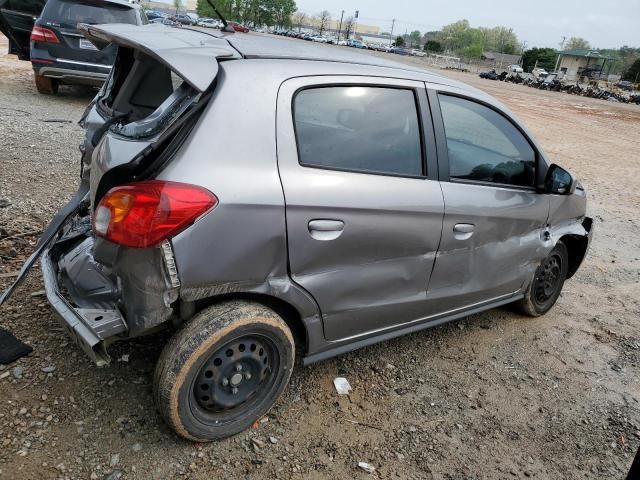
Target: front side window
(361,129)
(484,146)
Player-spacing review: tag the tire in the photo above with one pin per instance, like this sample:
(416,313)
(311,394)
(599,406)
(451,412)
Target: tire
(46,85)
(547,283)
(223,370)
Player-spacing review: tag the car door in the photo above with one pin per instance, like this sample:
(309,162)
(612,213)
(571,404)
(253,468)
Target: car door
(364,210)
(495,219)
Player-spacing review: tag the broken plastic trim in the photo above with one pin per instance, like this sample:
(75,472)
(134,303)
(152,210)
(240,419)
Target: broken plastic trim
(174,106)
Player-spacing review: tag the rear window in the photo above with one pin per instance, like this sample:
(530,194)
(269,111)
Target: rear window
(360,129)
(69,13)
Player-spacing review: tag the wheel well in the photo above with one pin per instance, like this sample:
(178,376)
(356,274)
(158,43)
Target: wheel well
(576,249)
(285,310)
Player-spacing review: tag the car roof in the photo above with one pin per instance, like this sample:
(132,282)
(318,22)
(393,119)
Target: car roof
(254,46)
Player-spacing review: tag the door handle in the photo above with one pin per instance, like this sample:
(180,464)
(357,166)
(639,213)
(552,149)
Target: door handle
(463,231)
(326,229)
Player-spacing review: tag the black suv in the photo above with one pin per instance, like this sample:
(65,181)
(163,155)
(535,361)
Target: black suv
(58,51)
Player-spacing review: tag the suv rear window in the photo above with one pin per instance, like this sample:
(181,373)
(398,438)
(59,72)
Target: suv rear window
(360,129)
(68,13)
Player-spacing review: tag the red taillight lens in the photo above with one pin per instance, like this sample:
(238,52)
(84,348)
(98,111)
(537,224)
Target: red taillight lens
(143,214)
(40,34)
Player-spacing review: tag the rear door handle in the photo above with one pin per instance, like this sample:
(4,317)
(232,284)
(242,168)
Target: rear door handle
(463,231)
(326,229)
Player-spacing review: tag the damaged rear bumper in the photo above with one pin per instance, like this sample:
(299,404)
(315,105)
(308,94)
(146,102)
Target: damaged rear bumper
(102,292)
(91,327)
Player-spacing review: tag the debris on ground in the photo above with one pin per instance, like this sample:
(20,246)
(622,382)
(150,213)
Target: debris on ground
(342,385)
(367,467)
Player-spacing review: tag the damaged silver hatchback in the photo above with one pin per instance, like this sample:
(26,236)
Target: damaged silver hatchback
(264,197)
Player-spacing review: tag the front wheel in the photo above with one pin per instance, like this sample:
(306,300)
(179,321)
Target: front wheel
(223,370)
(544,290)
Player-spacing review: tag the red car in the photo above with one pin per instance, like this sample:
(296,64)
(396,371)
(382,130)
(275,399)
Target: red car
(238,27)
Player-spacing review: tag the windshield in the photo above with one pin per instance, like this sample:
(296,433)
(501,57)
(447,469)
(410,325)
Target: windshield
(69,13)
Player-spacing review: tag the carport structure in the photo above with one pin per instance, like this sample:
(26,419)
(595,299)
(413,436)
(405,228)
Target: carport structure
(583,62)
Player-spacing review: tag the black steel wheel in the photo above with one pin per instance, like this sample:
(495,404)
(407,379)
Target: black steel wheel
(223,370)
(544,290)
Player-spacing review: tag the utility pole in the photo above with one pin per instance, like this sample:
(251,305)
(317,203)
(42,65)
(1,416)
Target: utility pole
(393,24)
(340,27)
(355,25)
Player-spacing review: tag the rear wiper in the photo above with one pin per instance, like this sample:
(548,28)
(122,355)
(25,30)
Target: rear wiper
(226,28)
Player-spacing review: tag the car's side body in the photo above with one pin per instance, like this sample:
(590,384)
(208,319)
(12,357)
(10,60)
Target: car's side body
(348,258)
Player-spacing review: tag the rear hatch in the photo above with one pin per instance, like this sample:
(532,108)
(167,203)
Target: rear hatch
(63,18)
(162,80)
(16,22)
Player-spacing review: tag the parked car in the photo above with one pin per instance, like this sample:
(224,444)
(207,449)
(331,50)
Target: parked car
(515,69)
(327,223)
(357,44)
(153,14)
(166,21)
(184,19)
(319,39)
(58,51)
(343,43)
(399,51)
(238,27)
(417,53)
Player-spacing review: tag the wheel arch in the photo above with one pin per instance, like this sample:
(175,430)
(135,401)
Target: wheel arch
(577,246)
(284,309)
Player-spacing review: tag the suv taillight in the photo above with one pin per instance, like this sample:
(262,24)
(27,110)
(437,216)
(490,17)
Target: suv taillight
(40,34)
(144,214)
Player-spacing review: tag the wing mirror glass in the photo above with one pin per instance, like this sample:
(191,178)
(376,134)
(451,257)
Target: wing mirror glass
(559,181)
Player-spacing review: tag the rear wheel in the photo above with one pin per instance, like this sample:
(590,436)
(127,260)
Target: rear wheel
(223,370)
(46,85)
(544,290)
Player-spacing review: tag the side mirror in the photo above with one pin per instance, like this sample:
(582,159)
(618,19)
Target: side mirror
(559,181)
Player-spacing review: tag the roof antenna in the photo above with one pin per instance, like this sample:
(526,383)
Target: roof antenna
(226,28)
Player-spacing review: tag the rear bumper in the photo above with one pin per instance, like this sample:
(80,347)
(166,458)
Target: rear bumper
(71,71)
(92,325)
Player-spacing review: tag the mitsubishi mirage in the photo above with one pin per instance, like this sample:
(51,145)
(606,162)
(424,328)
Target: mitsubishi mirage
(265,199)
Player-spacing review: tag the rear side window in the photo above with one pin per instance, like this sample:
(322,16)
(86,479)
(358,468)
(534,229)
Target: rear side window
(484,146)
(361,129)
(68,13)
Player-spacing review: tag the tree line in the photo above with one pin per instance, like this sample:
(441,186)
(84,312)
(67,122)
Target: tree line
(256,12)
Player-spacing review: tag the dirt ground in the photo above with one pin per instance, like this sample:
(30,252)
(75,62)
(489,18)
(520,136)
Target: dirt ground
(497,395)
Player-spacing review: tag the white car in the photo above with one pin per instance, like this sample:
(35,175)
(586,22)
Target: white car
(319,39)
(417,53)
(342,43)
(515,69)
(207,22)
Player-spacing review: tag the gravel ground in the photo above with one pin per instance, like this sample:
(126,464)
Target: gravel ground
(496,395)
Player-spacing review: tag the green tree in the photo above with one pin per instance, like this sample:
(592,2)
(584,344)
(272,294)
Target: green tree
(432,46)
(400,41)
(546,58)
(414,38)
(576,42)
(633,72)
(177,4)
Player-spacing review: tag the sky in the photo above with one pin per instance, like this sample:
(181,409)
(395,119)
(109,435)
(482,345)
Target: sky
(541,23)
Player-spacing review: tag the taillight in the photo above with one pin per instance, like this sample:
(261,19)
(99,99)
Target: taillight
(40,34)
(145,213)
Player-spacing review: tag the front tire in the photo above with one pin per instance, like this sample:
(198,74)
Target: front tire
(46,85)
(223,370)
(547,283)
